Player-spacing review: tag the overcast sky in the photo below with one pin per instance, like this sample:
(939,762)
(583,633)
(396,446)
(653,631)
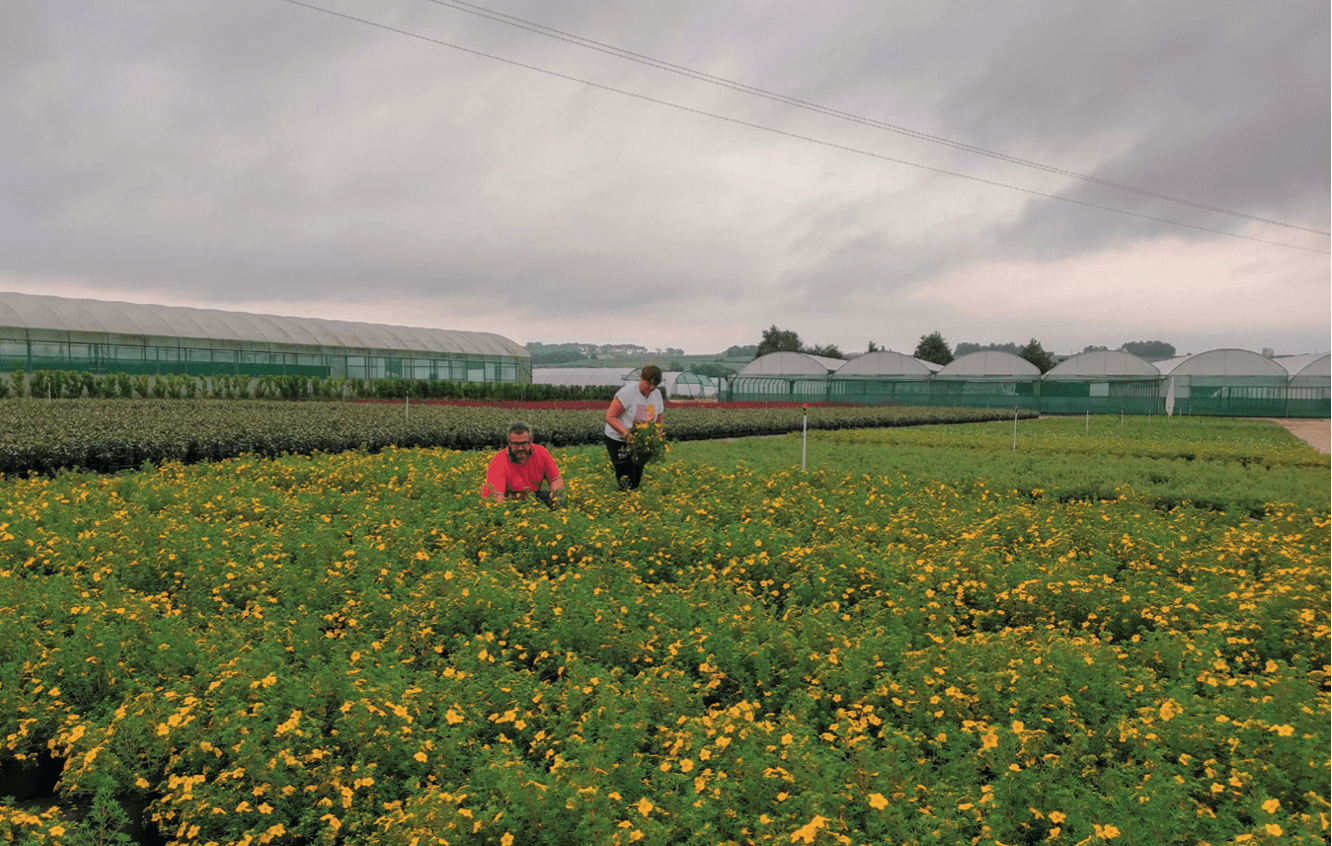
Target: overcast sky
(844,169)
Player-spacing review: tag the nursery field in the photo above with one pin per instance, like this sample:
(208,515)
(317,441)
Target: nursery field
(1114,632)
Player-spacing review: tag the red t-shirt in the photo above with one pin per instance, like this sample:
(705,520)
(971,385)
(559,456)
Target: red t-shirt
(517,479)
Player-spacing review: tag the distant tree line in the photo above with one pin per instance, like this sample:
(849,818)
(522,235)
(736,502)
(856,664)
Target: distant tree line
(934,348)
(786,340)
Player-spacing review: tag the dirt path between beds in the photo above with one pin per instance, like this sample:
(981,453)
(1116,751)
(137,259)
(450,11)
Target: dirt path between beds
(1315,433)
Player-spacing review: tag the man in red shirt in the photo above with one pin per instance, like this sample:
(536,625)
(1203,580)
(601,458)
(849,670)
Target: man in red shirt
(520,468)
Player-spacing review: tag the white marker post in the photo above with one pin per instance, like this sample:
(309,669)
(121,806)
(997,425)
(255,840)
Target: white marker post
(804,436)
(1015,410)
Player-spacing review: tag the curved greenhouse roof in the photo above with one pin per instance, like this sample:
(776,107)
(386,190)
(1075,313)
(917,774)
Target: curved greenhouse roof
(790,364)
(990,364)
(1309,365)
(887,363)
(66,314)
(1223,362)
(590,376)
(1103,364)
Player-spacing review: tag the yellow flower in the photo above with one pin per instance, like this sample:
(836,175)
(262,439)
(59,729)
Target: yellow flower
(644,806)
(507,839)
(877,802)
(807,833)
(1057,817)
(1170,709)
(1271,805)
(1273,829)
(1107,832)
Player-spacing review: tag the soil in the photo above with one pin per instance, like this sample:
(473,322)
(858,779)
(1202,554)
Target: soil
(1315,433)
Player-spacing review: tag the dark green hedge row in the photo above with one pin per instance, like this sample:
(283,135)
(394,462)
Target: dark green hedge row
(71,384)
(46,436)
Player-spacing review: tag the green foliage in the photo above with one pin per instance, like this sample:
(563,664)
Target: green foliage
(95,435)
(1037,355)
(356,648)
(933,348)
(1150,350)
(777,340)
(715,371)
(969,347)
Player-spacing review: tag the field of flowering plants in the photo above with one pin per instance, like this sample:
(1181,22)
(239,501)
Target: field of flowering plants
(912,643)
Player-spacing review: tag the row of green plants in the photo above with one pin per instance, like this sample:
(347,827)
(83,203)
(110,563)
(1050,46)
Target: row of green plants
(356,648)
(46,437)
(1230,466)
(79,384)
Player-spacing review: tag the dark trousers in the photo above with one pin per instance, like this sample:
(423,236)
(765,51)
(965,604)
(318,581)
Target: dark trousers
(627,473)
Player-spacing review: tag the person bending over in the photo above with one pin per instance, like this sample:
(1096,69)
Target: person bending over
(634,403)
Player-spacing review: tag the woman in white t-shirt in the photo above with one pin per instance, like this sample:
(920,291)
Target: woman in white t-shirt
(634,403)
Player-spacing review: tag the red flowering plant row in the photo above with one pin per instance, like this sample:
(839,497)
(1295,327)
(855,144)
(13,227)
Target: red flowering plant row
(591,405)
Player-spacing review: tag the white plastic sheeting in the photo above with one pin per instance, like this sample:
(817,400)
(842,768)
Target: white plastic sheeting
(1223,363)
(589,376)
(790,364)
(1103,364)
(888,364)
(39,312)
(1307,366)
(990,364)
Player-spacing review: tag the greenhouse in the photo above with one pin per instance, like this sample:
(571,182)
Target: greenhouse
(882,376)
(674,383)
(1224,382)
(58,333)
(685,385)
(1309,392)
(988,379)
(1229,382)
(588,377)
(784,377)
(1102,382)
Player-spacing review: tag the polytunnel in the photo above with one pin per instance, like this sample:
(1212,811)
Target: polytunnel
(882,377)
(688,385)
(1224,382)
(784,377)
(988,379)
(1102,382)
(583,376)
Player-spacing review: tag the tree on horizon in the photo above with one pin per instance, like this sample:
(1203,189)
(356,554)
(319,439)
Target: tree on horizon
(934,349)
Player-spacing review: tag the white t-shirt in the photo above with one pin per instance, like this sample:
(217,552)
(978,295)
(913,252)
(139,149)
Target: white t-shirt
(636,407)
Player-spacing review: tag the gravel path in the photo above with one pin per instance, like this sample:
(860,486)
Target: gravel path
(1315,433)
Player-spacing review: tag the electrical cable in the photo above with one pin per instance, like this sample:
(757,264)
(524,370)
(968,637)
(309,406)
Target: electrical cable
(794,135)
(701,76)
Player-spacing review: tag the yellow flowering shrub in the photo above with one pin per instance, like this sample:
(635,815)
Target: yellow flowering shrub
(356,648)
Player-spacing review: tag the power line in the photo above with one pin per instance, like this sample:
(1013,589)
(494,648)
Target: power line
(701,76)
(793,135)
